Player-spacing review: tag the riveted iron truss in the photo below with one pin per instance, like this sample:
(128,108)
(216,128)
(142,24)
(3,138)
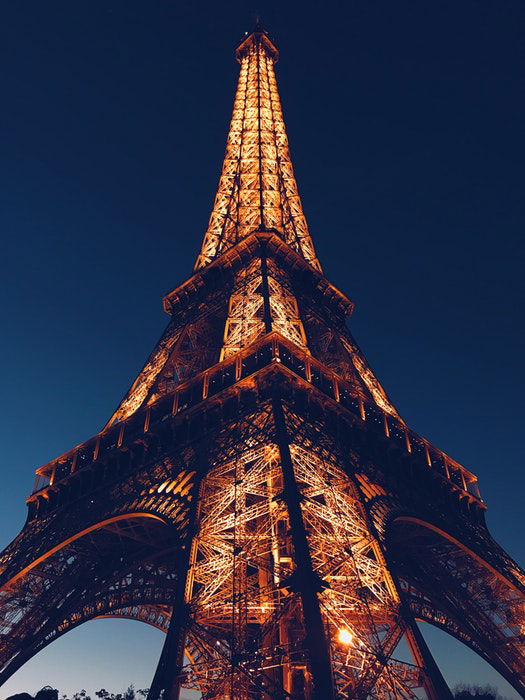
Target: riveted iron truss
(256,495)
(257,188)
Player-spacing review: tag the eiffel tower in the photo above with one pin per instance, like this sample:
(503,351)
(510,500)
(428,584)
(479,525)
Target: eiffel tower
(256,495)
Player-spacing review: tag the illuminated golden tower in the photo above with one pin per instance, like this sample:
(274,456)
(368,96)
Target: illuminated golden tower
(255,494)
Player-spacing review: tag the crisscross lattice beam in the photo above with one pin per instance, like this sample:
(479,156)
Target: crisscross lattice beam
(257,188)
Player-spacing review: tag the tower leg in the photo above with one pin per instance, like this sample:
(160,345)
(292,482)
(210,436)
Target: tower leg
(166,682)
(306,581)
(435,685)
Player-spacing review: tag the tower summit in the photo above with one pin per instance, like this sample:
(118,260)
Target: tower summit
(257,189)
(256,495)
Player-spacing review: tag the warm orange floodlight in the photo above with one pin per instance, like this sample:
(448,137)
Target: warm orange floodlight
(345,636)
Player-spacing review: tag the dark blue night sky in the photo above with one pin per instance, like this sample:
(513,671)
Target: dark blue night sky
(406,123)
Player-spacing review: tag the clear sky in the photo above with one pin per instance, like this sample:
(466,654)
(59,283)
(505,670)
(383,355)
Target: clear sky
(406,123)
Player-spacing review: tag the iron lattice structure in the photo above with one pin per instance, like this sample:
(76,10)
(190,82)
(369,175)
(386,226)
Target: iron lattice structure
(256,495)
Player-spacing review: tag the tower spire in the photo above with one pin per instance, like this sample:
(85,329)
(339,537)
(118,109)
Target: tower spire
(257,189)
(257,486)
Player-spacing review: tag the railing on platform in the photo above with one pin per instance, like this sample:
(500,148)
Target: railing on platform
(273,348)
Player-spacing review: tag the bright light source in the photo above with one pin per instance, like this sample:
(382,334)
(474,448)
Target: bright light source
(345,636)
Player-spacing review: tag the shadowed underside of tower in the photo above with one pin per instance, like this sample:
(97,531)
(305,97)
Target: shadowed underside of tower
(256,494)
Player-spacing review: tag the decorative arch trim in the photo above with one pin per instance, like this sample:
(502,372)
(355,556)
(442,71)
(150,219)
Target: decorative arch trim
(458,543)
(64,543)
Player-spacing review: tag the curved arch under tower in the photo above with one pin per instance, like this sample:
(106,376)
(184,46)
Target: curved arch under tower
(257,479)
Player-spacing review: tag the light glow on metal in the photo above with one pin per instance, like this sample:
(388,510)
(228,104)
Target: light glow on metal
(257,188)
(345,636)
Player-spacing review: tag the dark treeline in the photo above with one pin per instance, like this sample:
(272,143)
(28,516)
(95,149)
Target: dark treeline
(461,692)
(467,692)
(49,693)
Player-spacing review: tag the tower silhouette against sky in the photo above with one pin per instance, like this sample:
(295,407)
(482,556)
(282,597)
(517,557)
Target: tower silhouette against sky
(256,495)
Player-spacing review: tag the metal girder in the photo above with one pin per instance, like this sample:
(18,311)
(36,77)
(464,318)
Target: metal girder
(257,189)
(256,493)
